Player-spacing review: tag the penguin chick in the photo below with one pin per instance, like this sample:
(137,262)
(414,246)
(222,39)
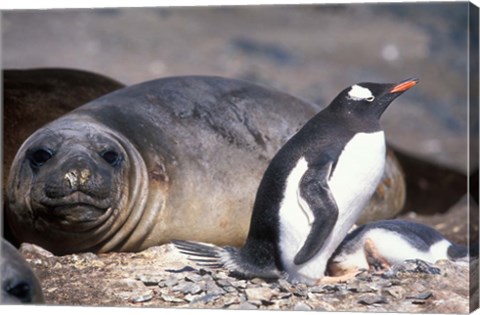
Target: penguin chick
(314,189)
(380,244)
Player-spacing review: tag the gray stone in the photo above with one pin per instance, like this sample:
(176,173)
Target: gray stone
(301,306)
(188,288)
(142,298)
(170,298)
(150,279)
(397,292)
(370,299)
(259,294)
(421,296)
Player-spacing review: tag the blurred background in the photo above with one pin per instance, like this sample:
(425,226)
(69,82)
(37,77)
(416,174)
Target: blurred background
(310,51)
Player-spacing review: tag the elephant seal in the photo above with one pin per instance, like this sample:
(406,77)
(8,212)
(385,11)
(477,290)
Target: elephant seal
(19,283)
(174,158)
(34,97)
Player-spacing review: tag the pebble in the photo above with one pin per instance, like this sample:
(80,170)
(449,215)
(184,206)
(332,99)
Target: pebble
(257,295)
(421,296)
(34,249)
(142,298)
(150,279)
(301,306)
(193,277)
(243,306)
(169,298)
(212,288)
(420,266)
(206,298)
(169,282)
(397,292)
(371,299)
(230,300)
(188,288)
(241,284)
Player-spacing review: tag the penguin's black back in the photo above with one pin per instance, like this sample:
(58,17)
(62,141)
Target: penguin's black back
(326,134)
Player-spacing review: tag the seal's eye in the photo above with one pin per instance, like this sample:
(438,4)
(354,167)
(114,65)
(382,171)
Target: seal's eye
(111,157)
(38,157)
(20,290)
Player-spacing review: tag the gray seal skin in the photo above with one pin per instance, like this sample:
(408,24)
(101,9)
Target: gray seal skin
(174,158)
(19,283)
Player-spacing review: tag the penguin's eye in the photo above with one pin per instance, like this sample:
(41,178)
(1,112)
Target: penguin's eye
(38,157)
(20,290)
(370,99)
(111,157)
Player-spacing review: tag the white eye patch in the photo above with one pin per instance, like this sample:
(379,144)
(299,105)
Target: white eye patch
(359,93)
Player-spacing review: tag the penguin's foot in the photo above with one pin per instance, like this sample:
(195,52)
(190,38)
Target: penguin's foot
(375,260)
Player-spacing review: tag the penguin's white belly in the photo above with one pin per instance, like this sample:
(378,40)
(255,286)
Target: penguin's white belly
(392,247)
(353,182)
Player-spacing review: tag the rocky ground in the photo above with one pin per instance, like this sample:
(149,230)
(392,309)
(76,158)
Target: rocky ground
(162,277)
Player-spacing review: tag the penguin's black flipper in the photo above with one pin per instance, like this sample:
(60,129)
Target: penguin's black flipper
(315,192)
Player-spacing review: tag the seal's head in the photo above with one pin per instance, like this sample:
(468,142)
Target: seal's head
(18,282)
(70,186)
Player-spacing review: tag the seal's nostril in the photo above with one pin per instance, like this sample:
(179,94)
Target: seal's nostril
(84,176)
(71,178)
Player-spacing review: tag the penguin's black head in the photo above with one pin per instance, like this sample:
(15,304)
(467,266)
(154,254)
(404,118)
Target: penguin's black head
(369,99)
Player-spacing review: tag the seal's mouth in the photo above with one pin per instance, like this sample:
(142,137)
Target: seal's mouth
(75,217)
(75,212)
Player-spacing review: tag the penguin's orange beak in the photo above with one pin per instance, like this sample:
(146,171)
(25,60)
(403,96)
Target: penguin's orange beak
(404,85)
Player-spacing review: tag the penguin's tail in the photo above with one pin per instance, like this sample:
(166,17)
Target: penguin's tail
(230,258)
(204,255)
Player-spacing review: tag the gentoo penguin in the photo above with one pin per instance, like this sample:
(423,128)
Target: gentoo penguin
(313,190)
(387,242)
